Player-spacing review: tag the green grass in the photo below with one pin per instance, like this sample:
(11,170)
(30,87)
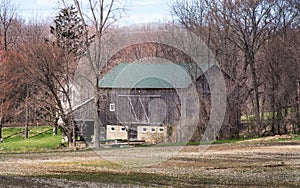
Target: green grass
(224,141)
(10,132)
(40,139)
(295,137)
(266,115)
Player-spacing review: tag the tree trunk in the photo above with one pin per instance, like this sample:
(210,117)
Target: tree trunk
(96,117)
(238,120)
(26,115)
(55,127)
(67,131)
(1,119)
(73,132)
(1,129)
(26,124)
(264,125)
(69,136)
(279,120)
(298,105)
(273,103)
(286,113)
(251,61)
(55,130)
(298,116)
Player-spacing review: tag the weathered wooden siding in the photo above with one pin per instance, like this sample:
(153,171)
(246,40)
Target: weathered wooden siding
(161,106)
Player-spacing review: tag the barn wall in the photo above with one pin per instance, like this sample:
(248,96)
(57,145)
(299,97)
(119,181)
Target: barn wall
(123,113)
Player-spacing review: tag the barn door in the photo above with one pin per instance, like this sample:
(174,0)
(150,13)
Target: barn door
(132,132)
(133,109)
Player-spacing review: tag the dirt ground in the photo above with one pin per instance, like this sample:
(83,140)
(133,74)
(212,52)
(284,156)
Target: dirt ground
(245,164)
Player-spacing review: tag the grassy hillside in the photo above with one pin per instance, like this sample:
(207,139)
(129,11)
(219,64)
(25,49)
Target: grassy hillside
(40,139)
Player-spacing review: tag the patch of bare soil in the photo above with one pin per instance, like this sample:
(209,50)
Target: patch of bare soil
(225,165)
(19,181)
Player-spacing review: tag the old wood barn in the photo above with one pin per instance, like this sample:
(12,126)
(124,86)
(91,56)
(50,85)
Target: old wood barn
(152,102)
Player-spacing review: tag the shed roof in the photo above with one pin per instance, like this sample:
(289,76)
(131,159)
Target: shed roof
(150,76)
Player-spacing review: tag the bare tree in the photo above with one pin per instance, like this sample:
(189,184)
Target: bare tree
(281,52)
(18,91)
(238,31)
(14,88)
(195,16)
(7,19)
(45,66)
(7,15)
(1,120)
(69,35)
(251,24)
(191,14)
(101,14)
(280,72)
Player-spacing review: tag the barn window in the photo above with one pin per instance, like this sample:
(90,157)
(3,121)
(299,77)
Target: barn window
(122,129)
(161,129)
(112,107)
(153,130)
(112,129)
(144,129)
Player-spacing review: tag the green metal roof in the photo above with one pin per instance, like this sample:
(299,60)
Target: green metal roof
(148,76)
